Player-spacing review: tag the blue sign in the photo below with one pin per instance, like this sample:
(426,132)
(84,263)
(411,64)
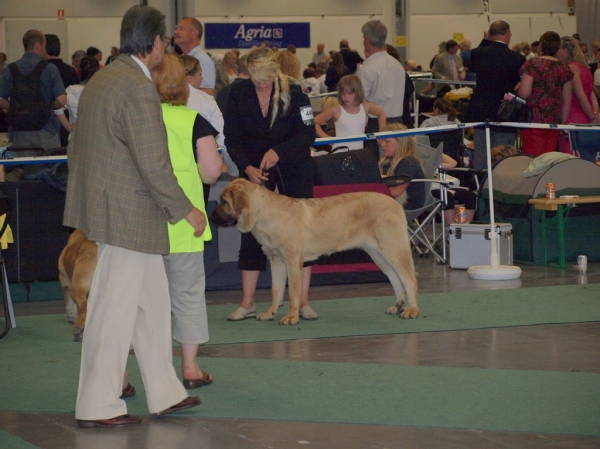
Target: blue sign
(246,35)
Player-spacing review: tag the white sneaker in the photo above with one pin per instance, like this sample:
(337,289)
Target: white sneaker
(307,313)
(241,314)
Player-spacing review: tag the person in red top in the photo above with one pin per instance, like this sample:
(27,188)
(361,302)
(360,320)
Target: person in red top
(546,84)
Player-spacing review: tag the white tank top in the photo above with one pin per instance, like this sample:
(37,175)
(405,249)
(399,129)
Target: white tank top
(351,125)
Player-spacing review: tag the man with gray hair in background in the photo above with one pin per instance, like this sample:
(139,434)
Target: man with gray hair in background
(121,193)
(383,78)
(187,36)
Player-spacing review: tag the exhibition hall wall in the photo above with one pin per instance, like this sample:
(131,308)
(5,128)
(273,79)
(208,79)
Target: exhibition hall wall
(422,24)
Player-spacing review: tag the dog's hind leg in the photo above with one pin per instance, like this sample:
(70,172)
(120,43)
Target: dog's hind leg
(397,285)
(278,277)
(404,266)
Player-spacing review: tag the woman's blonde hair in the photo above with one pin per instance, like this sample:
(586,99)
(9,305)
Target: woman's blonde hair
(262,66)
(575,53)
(406,148)
(190,64)
(170,81)
(353,85)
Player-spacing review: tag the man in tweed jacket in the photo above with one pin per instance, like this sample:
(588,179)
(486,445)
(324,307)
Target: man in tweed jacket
(121,192)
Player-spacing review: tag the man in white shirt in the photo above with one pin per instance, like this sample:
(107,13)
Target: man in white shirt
(188,33)
(320,55)
(383,78)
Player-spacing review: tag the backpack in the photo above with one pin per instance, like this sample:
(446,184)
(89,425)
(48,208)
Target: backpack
(28,109)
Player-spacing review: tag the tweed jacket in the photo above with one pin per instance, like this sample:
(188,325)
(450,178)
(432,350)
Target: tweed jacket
(441,66)
(121,189)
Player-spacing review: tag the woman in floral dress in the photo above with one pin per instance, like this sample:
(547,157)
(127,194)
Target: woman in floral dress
(546,84)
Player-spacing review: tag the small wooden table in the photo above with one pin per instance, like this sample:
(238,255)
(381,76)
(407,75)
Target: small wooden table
(557,204)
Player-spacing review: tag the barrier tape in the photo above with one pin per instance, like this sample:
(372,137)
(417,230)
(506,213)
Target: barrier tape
(434,129)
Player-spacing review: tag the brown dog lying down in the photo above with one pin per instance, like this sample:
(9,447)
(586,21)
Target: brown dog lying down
(292,231)
(76,266)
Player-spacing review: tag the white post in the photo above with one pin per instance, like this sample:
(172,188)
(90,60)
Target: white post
(494,257)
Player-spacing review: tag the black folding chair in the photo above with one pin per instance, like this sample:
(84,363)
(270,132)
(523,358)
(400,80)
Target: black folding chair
(9,314)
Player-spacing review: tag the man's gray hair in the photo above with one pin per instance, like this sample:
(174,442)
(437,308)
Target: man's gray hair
(376,32)
(139,28)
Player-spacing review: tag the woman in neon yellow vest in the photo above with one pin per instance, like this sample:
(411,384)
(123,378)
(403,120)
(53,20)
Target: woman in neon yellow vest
(195,159)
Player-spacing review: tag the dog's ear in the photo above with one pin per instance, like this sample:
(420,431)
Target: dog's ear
(240,194)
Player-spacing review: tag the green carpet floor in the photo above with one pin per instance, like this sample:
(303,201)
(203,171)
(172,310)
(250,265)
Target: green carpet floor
(10,441)
(365,316)
(510,400)
(483,399)
(439,312)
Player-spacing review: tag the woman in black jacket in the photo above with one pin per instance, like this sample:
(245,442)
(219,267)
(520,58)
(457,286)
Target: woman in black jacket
(269,128)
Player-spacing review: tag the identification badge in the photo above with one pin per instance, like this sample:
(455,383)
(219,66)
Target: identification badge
(308,118)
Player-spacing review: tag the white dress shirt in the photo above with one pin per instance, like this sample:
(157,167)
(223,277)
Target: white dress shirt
(383,79)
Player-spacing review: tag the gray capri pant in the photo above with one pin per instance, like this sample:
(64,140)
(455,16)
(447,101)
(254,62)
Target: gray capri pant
(187,282)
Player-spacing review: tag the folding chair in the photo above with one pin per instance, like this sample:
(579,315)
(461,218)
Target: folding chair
(9,313)
(422,222)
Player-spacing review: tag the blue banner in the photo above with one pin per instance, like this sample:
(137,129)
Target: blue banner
(246,35)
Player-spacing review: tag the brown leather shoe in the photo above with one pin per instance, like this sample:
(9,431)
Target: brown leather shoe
(188,402)
(118,421)
(128,391)
(205,379)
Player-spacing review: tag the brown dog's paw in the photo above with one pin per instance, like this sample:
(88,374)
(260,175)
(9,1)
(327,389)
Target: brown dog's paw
(395,310)
(265,316)
(410,312)
(289,320)
(77,333)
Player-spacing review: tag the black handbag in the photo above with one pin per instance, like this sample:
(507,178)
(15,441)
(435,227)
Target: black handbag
(350,167)
(514,109)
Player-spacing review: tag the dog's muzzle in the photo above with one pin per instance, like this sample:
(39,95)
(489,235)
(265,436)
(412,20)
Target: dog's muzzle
(221,218)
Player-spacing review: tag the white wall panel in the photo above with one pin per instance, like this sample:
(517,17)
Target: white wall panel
(476,6)
(288,8)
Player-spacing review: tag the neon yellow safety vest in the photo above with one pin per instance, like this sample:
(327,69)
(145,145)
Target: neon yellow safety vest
(179,121)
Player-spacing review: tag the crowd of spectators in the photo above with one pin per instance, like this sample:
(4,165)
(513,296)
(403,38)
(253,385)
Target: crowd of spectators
(145,113)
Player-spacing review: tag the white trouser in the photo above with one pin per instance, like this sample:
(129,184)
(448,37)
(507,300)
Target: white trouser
(128,304)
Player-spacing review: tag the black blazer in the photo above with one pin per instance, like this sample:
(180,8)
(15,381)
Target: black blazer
(248,135)
(497,69)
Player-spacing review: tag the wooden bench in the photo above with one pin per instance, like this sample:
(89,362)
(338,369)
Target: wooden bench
(562,212)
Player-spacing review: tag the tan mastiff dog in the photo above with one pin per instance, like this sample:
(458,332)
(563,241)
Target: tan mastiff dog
(292,231)
(76,265)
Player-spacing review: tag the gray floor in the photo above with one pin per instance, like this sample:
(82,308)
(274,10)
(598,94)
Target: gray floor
(569,347)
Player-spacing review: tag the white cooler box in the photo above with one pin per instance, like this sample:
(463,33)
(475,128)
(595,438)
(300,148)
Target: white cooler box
(470,244)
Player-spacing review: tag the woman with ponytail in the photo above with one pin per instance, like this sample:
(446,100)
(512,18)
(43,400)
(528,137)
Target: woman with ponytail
(269,128)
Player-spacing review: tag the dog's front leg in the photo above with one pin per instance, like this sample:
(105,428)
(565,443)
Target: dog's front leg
(70,306)
(278,275)
(295,292)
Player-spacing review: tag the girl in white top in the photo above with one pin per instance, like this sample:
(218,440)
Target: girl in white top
(88,66)
(351,114)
